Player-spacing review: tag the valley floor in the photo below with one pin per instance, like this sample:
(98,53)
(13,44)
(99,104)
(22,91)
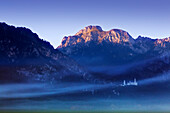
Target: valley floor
(83,98)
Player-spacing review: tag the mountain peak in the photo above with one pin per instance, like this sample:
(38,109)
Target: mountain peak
(117,30)
(89,28)
(96,34)
(143,38)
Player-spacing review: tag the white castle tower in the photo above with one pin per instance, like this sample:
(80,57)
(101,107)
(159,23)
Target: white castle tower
(130,83)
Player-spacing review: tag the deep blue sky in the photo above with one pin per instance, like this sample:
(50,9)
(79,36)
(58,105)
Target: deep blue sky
(54,19)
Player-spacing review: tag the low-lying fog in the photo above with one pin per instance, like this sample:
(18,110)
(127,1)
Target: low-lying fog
(148,95)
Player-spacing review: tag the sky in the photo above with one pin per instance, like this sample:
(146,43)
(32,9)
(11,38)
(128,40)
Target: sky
(54,19)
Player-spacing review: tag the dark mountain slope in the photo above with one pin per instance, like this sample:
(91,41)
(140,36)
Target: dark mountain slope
(26,57)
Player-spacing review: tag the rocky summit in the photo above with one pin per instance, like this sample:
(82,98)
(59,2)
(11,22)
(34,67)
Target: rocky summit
(93,46)
(97,35)
(115,55)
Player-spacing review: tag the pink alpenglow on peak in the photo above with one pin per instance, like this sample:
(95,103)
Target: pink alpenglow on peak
(97,35)
(89,29)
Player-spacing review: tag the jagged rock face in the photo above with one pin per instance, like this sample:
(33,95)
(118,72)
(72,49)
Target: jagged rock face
(162,42)
(97,35)
(115,56)
(93,46)
(26,57)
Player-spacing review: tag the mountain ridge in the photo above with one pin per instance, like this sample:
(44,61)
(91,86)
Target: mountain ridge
(30,58)
(114,45)
(118,56)
(113,35)
(95,33)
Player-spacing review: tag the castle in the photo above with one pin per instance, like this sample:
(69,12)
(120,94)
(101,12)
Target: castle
(130,83)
